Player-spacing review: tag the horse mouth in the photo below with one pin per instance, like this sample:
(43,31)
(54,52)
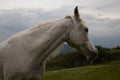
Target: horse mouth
(93,55)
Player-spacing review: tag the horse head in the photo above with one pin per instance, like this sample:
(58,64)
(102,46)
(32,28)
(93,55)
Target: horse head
(78,36)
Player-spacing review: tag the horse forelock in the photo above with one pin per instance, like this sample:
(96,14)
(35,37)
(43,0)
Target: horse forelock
(83,22)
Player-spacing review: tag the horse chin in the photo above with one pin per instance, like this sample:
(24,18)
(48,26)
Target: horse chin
(91,54)
(91,58)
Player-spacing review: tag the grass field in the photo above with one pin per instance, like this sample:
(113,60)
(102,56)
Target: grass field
(109,71)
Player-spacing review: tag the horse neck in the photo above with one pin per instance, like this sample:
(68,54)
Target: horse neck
(52,38)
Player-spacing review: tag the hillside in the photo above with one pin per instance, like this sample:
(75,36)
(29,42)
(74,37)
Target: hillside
(109,71)
(66,48)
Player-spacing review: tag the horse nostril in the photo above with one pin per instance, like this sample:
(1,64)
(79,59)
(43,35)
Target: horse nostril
(93,55)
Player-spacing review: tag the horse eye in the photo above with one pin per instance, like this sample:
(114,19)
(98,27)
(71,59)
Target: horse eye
(86,29)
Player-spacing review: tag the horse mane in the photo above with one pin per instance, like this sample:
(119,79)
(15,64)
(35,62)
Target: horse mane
(67,17)
(70,17)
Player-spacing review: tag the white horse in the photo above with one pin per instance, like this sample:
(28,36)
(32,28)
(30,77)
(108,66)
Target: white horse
(23,56)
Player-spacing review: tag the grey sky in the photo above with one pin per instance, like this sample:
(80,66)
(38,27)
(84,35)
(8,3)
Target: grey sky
(102,17)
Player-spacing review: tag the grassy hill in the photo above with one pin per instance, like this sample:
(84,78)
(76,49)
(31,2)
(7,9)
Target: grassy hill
(109,71)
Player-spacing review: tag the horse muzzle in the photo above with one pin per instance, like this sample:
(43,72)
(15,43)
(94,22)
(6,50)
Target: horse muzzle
(93,55)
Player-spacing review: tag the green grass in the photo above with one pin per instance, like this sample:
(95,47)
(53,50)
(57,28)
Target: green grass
(109,71)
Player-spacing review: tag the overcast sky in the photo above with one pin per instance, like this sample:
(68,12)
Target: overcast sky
(102,17)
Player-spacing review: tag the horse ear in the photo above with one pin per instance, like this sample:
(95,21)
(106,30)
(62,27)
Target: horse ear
(76,12)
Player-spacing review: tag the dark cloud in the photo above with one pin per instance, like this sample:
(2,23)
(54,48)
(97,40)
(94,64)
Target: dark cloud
(103,31)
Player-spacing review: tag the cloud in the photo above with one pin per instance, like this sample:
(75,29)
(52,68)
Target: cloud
(15,20)
(103,30)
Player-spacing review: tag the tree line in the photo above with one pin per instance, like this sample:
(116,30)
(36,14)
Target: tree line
(78,59)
